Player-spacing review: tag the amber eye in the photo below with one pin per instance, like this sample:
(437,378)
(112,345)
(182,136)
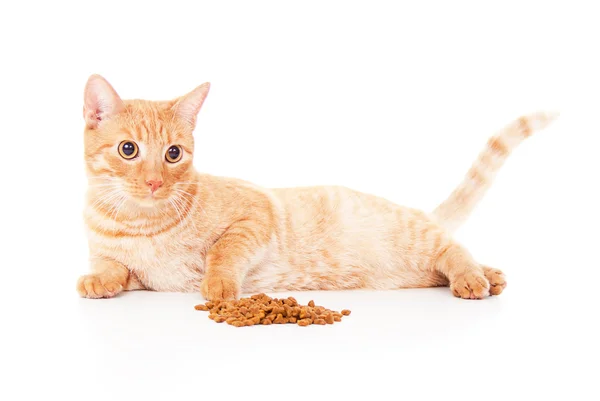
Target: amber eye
(128,150)
(174,154)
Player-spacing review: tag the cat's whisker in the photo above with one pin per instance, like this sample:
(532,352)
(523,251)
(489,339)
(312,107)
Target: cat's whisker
(103,179)
(176,209)
(123,200)
(114,199)
(183,192)
(102,191)
(190,206)
(115,210)
(102,185)
(192,197)
(113,205)
(105,199)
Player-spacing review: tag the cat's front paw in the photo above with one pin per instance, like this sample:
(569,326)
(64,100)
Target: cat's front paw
(97,286)
(470,285)
(215,288)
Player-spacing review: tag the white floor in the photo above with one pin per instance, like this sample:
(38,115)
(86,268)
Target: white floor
(407,344)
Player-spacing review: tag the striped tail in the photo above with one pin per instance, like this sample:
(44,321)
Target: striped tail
(459,205)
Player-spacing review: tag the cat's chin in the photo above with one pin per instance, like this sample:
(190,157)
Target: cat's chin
(149,202)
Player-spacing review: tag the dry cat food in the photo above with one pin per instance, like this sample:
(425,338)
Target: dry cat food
(262,309)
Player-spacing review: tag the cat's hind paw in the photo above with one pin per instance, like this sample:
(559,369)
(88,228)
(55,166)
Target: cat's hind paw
(470,285)
(496,278)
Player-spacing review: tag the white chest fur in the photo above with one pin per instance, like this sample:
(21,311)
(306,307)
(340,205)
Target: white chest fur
(161,262)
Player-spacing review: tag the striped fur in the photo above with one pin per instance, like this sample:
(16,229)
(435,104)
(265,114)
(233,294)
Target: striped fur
(456,209)
(223,236)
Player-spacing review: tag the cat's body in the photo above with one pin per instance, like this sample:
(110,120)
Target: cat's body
(221,236)
(318,238)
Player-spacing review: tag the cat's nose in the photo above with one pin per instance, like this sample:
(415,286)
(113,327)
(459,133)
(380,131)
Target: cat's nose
(154,184)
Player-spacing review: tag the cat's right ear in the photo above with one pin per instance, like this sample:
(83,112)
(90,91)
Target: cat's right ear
(100,101)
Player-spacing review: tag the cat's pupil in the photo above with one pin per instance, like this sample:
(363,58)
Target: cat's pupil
(173,152)
(128,148)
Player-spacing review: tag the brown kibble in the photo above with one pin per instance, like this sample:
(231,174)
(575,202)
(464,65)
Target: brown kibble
(262,309)
(304,313)
(287,310)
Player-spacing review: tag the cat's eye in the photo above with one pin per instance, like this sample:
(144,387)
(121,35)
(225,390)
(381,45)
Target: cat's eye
(174,154)
(128,150)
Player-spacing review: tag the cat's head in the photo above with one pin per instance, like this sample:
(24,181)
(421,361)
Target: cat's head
(136,149)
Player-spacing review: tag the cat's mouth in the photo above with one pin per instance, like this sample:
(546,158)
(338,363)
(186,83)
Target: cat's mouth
(148,200)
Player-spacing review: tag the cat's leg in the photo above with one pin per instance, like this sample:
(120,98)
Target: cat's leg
(467,278)
(108,278)
(241,247)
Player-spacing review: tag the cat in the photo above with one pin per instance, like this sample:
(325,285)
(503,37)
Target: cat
(155,223)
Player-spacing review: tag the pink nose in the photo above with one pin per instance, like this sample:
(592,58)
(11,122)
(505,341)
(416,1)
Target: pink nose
(154,184)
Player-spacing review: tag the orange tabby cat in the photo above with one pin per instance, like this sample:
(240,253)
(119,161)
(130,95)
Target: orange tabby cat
(155,223)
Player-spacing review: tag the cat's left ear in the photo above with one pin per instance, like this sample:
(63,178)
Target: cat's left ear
(187,107)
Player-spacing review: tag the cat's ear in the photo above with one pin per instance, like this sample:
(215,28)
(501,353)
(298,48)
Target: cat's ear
(187,107)
(100,101)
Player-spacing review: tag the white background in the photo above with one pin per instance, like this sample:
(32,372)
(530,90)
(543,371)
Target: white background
(395,99)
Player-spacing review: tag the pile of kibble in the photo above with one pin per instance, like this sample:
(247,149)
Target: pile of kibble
(262,309)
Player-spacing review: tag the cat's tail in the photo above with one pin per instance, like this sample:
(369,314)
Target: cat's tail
(454,211)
